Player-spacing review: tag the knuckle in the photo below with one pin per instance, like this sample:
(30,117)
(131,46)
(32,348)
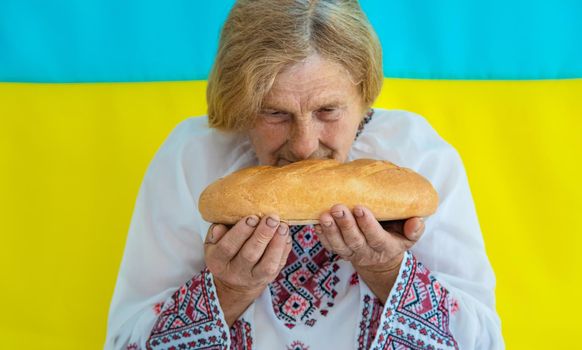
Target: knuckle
(356,245)
(347,225)
(240,229)
(368,224)
(271,268)
(215,266)
(344,251)
(226,249)
(376,244)
(284,258)
(263,237)
(248,257)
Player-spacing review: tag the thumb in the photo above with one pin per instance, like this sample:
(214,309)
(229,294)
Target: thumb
(414,228)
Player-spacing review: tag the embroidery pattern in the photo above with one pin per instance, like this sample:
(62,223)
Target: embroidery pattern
(307,281)
(297,345)
(188,319)
(417,316)
(355,279)
(240,335)
(364,121)
(158,308)
(371,316)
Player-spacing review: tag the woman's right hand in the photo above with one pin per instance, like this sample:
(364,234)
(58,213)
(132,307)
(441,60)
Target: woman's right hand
(244,259)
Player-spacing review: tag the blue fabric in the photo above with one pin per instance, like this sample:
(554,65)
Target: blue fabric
(130,40)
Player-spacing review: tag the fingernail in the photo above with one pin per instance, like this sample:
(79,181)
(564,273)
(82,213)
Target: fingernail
(420,225)
(282,230)
(213,229)
(252,221)
(272,222)
(358,212)
(338,214)
(326,223)
(317,229)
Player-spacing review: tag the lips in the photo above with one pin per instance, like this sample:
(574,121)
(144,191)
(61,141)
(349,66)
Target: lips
(283,161)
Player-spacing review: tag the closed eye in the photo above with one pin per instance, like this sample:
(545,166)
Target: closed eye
(328,114)
(275,116)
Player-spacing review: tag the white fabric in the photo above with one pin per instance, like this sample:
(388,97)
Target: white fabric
(164,246)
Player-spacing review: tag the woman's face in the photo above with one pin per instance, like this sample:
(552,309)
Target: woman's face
(312,112)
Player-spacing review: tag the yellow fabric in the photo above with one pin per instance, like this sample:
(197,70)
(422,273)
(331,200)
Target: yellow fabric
(73,156)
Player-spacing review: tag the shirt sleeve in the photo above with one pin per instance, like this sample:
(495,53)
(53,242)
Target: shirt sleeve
(416,314)
(444,297)
(191,318)
(164,247)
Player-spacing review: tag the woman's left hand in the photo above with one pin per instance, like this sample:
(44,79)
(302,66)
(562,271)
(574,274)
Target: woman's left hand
(369,245)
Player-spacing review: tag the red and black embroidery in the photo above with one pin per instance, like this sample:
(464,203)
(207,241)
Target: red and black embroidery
(417,313)
(240,335)
(297,345)
(307,283)
(158,308)
(364,121)
(355,279)
(189,319)
(371,316)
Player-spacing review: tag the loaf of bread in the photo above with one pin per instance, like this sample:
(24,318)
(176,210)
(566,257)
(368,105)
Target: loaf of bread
(300,192)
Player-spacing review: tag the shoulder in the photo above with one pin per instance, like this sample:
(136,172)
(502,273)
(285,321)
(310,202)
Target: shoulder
(404,138)
(202,154)
(403,127)
(189,130)
(194,139)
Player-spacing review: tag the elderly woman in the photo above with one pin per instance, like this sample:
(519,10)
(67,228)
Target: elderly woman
(293,80)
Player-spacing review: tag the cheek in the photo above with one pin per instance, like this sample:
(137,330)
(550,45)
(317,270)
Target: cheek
(339,136)
(267,139)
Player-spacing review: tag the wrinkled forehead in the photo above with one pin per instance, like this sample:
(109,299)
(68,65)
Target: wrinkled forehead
(284,100)
(317,91)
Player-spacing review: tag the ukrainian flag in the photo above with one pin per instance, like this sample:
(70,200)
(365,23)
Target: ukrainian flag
(90,89)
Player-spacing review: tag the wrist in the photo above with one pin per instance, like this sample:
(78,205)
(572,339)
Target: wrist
(389,268)
(234,301)
(381,278)
(236,293)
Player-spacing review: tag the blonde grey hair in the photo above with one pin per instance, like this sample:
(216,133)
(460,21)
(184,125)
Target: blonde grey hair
(262,37)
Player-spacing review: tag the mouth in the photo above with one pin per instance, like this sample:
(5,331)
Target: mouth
(283,161)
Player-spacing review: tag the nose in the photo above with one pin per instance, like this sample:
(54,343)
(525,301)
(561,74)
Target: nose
(304,140)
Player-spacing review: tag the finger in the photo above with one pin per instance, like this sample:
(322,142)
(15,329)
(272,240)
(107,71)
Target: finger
(414,228)
(409,235)
(393,226)
(255,246)
(285,255)
(268,266)
(215,233)
(232,240)
(331,231)
(349,229)
(322,238)
(375,235)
